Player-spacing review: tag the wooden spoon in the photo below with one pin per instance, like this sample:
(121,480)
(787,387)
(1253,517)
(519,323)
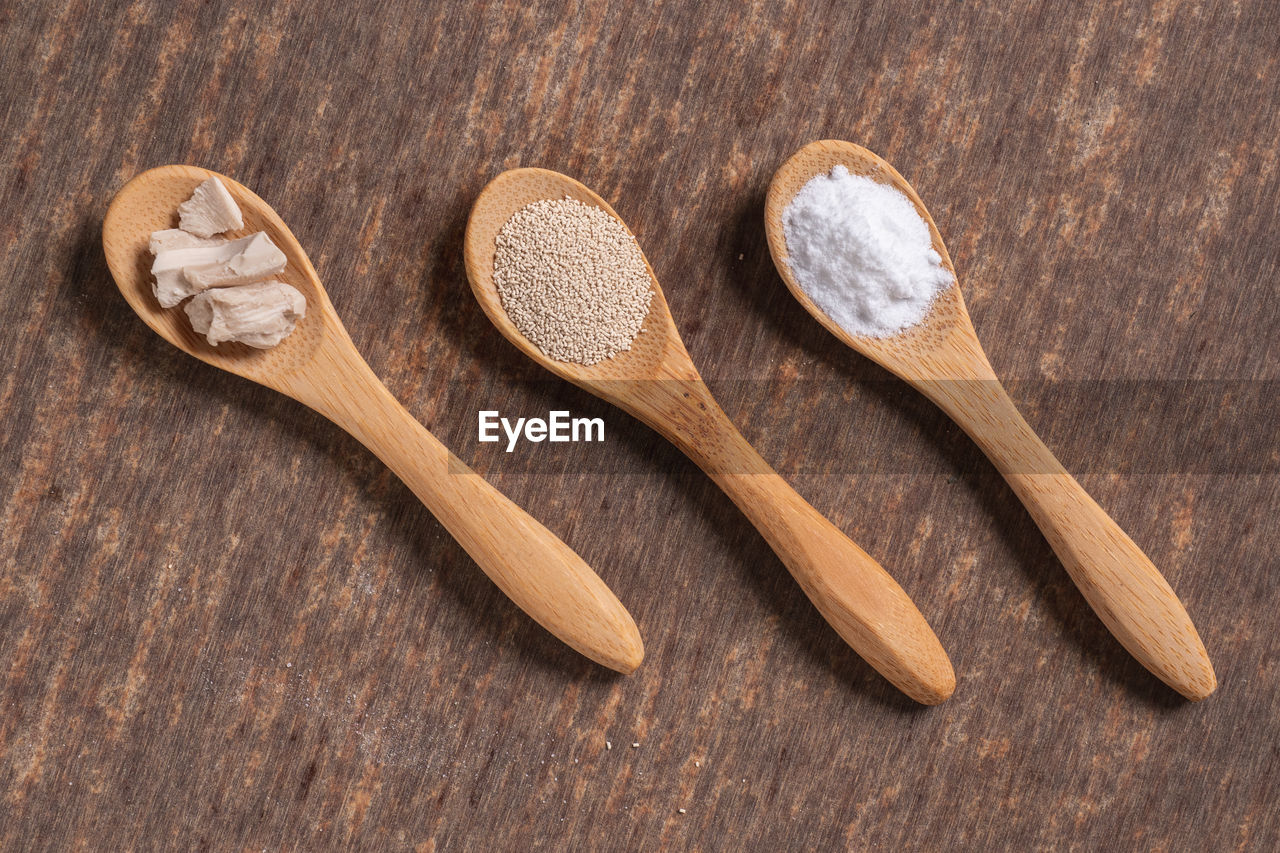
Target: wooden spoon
(942,358)
(319,367)
(656,382)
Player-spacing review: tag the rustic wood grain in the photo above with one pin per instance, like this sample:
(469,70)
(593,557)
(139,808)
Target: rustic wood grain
(225,625)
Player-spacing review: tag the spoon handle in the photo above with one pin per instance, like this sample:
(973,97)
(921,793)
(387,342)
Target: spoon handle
(534,568)
(1120,583)
(851,590)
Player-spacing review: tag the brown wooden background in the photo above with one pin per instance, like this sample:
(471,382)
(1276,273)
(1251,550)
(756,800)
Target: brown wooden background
(224,625)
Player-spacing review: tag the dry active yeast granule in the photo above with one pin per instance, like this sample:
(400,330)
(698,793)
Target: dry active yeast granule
(572,280)
(862,253)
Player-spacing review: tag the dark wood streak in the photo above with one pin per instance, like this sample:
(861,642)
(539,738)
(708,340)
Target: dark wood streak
(223,624)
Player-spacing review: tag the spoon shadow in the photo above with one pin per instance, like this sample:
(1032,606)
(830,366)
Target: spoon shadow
(769,297)
(89,286)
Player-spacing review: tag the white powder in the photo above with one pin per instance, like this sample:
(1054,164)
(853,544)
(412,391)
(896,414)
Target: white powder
(862,253)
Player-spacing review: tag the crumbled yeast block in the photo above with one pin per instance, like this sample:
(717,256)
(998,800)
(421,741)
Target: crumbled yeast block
(258,259)
(181,273)
(176,238)
(210,210)
(191,261)
(261,314)
(171,285)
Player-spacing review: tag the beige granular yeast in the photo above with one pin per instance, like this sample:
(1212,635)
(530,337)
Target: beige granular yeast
(572,280)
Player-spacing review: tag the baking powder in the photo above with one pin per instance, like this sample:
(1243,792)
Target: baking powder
(862,253)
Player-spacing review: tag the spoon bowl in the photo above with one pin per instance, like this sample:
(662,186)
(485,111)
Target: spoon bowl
(319,366)
(910,352)
(149,203)
(656,381)
(942,358)
(656,353)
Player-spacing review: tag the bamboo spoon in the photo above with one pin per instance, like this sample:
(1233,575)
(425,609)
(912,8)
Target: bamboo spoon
(656,382)
(319,367)
(941,357)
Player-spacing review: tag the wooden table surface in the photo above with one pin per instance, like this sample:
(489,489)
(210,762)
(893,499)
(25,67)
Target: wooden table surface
(224,625)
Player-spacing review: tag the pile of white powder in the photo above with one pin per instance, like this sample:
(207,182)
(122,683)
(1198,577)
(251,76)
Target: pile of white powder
(862,253)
